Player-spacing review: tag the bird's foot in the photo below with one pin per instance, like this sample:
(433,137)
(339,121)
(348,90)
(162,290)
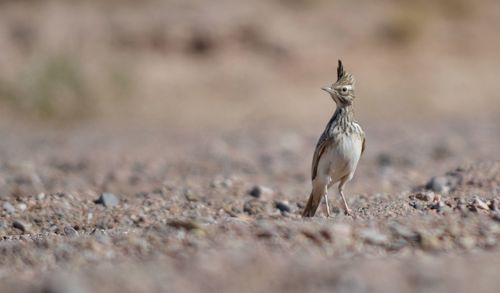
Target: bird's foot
(348,211)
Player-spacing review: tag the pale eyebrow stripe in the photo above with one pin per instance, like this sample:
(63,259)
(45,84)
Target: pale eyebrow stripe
(349,87)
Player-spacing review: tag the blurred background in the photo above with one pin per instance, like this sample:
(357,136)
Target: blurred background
(197,120)
(191,64)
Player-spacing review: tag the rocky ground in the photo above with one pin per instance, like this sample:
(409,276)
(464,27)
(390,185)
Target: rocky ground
(136,211)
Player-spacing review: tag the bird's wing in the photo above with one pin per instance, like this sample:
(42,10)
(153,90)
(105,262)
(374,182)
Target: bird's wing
(363,146)
(323,142)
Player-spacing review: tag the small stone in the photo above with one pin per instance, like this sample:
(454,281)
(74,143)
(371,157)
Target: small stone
(264,229)
(184,224)
(221,183)
(40,196)
(108,200)
(478,203)
(429,242)
(372,236)
(445,209)
(282,206)
(425,196)
(259,191)
(70,231)
(190,195)
(417,206)
(20,226)
(22,206)
(437,206)
(493,204)
(7,206)
(438,184)
(254,207)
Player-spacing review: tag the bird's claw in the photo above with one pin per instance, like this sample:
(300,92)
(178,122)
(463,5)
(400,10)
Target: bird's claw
(348,212)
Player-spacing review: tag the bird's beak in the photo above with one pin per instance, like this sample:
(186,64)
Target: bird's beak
(327,89)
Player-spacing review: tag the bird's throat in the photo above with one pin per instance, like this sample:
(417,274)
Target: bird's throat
(344,112)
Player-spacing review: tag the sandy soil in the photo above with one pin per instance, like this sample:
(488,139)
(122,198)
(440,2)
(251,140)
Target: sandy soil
(189,218)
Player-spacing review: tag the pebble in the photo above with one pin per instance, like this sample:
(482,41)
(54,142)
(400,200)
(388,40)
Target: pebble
(429,242)
(478,203)
(417,206)
(254,207)
(372,236)
(224,183)
(7,206)
(445,209)
(493,204)
(425,196)
(190,195)
(259,191)
(282,206)
(264,229)
(70,231)
(437,206)
(22,206)
(108,200)
(20,226)
(184,224)
(438,184)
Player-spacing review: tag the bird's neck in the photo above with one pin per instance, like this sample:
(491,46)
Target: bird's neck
(342,118)
(344,112)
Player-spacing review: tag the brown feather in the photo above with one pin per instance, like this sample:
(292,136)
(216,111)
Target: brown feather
(311,206)
(320,149)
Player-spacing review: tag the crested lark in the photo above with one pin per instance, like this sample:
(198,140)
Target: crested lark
(339,148)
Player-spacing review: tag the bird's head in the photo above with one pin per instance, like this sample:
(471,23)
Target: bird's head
(342,91)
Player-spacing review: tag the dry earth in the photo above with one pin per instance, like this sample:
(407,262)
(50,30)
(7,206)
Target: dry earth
(188,218)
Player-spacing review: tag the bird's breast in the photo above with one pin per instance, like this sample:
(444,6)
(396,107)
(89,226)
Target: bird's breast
(341,157)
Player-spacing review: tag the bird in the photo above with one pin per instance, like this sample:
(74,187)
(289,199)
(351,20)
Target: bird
(339,147)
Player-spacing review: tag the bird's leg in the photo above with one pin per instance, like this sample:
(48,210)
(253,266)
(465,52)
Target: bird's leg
(341,191)
(328,184)
(327,206)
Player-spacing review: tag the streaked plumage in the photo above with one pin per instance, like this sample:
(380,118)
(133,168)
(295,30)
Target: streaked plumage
(339,148)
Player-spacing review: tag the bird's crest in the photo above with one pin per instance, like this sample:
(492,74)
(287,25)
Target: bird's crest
(340,70)
(343,77)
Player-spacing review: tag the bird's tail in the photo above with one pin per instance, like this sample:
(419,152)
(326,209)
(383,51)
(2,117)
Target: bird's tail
(312,205)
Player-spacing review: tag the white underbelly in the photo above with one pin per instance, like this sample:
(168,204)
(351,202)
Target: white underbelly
(341,159)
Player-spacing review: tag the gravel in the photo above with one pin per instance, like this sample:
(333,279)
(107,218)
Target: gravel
(7,206)
(108,200)
(439,184)
(282,206)
(261,192)
(180,224)
(20,226)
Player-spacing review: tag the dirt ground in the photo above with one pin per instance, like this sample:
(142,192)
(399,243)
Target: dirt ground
(166,146)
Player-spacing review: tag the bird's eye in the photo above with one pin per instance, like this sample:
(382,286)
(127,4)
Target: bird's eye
(344,89)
